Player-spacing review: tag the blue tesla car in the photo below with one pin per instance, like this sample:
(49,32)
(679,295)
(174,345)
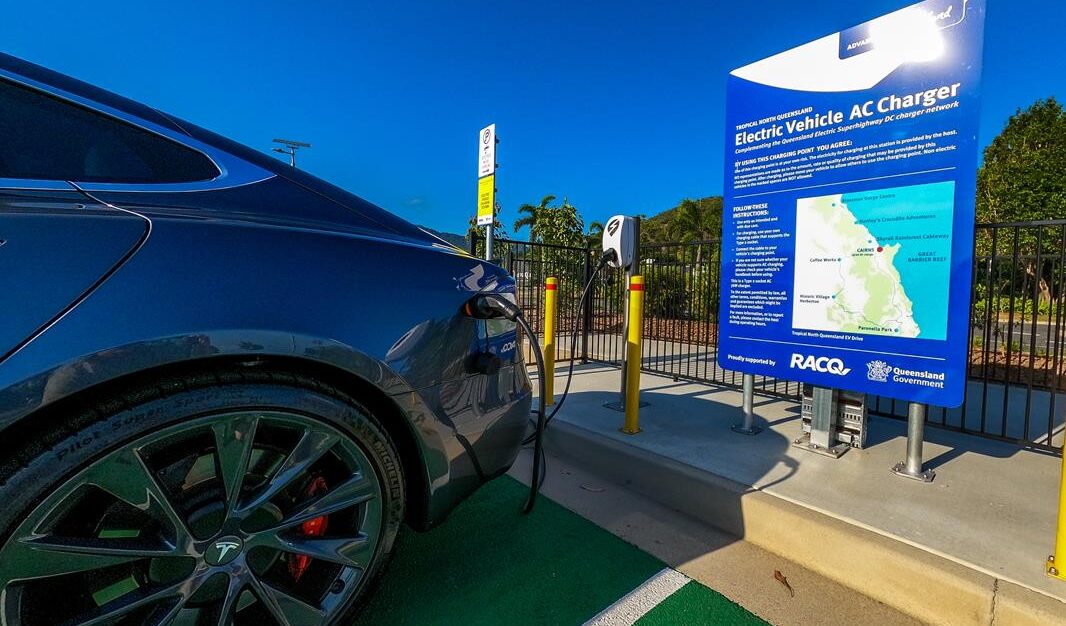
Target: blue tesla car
(224,383)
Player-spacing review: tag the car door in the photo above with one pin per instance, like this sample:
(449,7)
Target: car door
(57,243)
(66,151)
(55,247)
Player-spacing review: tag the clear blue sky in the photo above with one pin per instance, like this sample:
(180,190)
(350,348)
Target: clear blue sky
(617,105)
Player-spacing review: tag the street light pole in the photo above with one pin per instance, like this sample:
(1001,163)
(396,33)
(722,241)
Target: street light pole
(290,148)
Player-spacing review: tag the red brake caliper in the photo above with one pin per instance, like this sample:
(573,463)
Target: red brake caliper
(298,563)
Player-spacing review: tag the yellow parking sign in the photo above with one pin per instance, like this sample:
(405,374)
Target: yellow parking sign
(486,199)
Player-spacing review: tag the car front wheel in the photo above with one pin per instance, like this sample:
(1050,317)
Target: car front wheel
(241,498)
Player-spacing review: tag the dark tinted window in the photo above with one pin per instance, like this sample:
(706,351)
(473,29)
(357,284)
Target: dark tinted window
(50,139)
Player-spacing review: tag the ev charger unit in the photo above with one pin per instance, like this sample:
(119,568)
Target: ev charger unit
(620,237)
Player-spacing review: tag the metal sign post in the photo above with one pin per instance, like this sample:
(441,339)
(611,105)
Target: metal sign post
(911,467)
(748,427)
(486,184)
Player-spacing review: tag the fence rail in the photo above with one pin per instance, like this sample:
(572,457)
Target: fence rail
(1017,343)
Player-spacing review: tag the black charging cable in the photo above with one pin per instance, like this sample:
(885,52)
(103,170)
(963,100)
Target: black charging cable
(490,305)
(607,256)
(495,305)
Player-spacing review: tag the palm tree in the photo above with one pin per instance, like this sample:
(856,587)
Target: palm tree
(691,223)
(531,213)
(595,234)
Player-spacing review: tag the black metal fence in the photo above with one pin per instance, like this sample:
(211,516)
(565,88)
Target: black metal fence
(1017,347)
(531,264)
(1017,354)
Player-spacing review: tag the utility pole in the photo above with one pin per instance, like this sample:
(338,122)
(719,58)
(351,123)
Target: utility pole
(290,148)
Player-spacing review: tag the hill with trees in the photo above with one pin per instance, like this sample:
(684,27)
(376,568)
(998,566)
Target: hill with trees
(690,220)
(459,241)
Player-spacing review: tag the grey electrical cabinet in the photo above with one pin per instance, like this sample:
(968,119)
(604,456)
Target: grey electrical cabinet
(851,419)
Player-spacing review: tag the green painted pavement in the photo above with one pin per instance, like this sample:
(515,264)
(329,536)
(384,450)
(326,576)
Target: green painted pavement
(696,605)
(489,565)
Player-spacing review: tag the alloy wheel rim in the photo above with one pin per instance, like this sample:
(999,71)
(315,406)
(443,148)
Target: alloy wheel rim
(250,516)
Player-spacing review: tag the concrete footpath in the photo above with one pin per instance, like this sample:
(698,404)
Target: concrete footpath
(738,570)
(968,548)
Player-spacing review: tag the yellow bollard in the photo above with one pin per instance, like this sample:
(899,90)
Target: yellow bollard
(551,285)
(1058,570)
(633,354)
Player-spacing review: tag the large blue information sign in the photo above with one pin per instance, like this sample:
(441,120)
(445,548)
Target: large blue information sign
(850,176)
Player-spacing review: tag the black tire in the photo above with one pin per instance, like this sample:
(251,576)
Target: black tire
(82,439)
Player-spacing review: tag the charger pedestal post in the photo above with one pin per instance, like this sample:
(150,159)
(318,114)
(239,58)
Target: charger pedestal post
(631,268)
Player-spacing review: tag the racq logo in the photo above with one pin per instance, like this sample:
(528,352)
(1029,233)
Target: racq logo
(823,364)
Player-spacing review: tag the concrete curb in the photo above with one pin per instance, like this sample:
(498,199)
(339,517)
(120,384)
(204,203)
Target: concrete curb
(927,586)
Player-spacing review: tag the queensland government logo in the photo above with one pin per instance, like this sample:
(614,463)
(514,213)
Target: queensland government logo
(878,371)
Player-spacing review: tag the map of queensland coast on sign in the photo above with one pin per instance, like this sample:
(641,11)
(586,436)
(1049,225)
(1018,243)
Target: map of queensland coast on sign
(875,262)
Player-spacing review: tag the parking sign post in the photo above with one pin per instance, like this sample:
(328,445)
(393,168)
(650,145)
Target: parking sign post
(486,184)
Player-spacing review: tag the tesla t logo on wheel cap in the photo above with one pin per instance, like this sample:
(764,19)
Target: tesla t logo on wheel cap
(223,551)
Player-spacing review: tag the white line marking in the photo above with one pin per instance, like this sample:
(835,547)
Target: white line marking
(637,603)
(858,180)
(815,345)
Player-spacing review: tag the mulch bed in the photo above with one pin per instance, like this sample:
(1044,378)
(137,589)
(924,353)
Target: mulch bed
(1019,369)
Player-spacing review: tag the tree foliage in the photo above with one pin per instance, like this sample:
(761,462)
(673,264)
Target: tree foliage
(476,234)
(558,225)
(594,236)
(529,213)
(697,220)
(1023,176)
(691,220)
